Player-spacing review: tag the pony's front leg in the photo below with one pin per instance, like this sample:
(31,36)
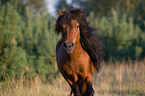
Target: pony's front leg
(89,82)
(73,82)
(75,90)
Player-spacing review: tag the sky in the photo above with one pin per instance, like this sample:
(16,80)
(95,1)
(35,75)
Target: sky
(51,6)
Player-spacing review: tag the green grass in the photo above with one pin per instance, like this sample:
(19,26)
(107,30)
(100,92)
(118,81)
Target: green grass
(119,79)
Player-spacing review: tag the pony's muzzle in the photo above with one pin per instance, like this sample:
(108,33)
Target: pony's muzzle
(69,47)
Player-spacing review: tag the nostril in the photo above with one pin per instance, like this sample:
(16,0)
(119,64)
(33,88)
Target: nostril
(65,45)
(73,44)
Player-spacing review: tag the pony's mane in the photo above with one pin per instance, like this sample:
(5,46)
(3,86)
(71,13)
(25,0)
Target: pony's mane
(89,42)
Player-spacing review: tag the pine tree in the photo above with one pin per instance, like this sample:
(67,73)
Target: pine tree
(11,57)
(38,39)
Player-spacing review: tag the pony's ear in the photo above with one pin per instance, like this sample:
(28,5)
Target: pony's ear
(60,13)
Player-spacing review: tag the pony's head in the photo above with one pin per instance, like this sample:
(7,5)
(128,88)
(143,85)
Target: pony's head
(71,35)
(69,26)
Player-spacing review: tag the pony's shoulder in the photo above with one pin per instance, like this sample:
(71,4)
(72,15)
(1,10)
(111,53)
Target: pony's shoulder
(58,44)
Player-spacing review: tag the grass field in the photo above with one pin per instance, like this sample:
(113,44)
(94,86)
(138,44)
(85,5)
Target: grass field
(119,79)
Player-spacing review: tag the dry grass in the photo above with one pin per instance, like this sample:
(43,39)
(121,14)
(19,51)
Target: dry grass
(121,79)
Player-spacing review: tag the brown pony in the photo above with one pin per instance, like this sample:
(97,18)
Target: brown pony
(78,52)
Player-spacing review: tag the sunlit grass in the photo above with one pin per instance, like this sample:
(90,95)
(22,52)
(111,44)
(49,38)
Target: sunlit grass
(125,79)
(119,79)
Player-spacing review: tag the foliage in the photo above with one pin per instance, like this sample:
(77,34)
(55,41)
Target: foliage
(103,7)
(27,44)
(39,40)
(36,5)
(120,35)
(11,60)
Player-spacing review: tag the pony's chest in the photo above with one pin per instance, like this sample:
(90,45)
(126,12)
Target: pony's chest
(73,62)
(78,65)
(70,65)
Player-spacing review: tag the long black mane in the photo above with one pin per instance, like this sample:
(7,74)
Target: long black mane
(89,42)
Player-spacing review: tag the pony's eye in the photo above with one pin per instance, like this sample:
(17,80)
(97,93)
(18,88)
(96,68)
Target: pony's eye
(77,27)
